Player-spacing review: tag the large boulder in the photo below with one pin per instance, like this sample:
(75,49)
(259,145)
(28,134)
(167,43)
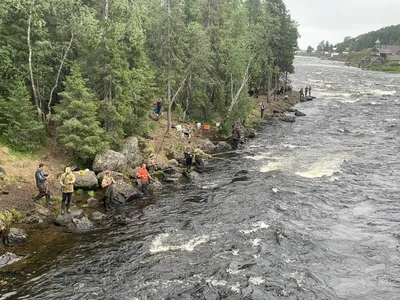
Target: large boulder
(208,146)
(223,147)
(74,221)
(86,180)
(132,152)
(116,175)
(15,236)
(110,160)
(124,192)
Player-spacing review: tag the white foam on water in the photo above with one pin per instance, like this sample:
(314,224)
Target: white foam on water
(326,166)
(381,92)
(256,280)
(256,242)
(236,288)
(290,146)
(272,166)
(159,244)
(260,156)
(216,282)
(256,226)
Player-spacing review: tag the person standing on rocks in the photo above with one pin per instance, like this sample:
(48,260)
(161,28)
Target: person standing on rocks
(108,182)
(306,89)
(188,153)
(67,181)
(301,93)
(309,91)
(144,176)
(41,183)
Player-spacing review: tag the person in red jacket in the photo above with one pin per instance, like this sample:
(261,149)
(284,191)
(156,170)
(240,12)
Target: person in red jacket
(144,176)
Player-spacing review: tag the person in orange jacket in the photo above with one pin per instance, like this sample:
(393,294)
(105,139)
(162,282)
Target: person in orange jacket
(144,176)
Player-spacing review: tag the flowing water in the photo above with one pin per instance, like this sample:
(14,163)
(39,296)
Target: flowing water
(309,210)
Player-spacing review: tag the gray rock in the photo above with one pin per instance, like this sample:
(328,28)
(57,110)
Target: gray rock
(124,192)
(86,180)
(252,134)
(208,146)
(223,147)
(171,180)
(176,175)
(173,163)
(42,210)
(9,258)
(110,160)
(34,219)
(97,216)
(115,175)
(92,202)
(65,219)
(15,236)
(156,185)
(80,225)
(287,118)
(299,113)
(132,152)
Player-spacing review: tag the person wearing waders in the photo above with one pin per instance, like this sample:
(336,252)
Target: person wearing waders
(306,89)
(144,176)
(301,93)
(309,91)
(108,182)
(67,181)
(41,183)
(188,156)
(262,108)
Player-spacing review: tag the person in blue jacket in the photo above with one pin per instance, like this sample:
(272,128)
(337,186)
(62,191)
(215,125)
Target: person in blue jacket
(41,183)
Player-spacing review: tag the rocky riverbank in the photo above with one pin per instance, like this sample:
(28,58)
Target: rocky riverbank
(29,230)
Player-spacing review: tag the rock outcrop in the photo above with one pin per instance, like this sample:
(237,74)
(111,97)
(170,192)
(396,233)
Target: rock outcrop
(110,160)
(124,192)
(86,180)
(9,258)
(74,221)
(15,236)
(132,152)
(223,147)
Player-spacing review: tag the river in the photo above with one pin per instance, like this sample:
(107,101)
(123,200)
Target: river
(308,210)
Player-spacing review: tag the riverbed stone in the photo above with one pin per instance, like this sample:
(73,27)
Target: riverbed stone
(15,236)
(110,160)
(92,202)
(86,180)
(124,192)
(156,185)
(132,152)
(43,211)
(252,134)
(287,118)
(35,219)
(65,219)
(222,147)
(97,216)
(298,113)
(8,258)
(80,225)
(116,175)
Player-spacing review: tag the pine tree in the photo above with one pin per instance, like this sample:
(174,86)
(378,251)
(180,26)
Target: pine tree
(79,129)
(19,127)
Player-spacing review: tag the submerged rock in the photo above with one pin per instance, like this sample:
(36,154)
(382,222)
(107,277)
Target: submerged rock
(15,236)
(110,160)
(97,216)
(299,113)
(65,219)
(9,258)
(74,221)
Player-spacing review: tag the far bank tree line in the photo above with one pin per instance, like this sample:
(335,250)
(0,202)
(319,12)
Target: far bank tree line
(86,71)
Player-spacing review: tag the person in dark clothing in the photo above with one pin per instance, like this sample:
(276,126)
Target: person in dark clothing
(309,91)
(256,92)
(301,93)
(108,182)
(188,156)
(262,108)
(41,183)
(306,89)
(157,110)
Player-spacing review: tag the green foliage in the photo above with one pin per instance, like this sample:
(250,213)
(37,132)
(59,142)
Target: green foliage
(12,216)
(80,192)
(56,199)
(18,125)
(91,193)
(79,129)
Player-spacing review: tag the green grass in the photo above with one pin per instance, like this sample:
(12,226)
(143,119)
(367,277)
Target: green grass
(12,216)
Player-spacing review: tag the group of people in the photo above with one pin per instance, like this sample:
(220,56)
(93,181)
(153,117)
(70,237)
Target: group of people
(67,181)
(306,92)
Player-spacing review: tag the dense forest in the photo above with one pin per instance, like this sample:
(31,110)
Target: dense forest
(388,36)
(86,72)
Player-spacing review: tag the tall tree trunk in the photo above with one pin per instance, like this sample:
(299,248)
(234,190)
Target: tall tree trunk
(269,86)
(34,89)
(276,86)
(285,81)
(105,9)
(63,58)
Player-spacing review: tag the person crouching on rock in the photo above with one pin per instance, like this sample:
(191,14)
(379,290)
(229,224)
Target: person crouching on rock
(108,182)
(144,176)
(41,183)
(67,181)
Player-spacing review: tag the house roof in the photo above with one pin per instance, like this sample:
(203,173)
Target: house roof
(389,49)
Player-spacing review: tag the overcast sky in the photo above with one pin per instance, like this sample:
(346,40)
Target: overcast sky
(333,20)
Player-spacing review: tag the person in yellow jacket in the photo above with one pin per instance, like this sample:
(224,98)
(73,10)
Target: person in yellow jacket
(67,181)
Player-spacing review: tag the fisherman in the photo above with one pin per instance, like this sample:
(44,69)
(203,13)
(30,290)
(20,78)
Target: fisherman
(188,153)
(301,93)
(157,110)
(309,91)
(67,181)
(41,183)
(262,108)
(109,183)
(144,176)
(306,90)
(236,134)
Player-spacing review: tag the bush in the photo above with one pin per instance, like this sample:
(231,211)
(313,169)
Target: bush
(80,192)
(91,193)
